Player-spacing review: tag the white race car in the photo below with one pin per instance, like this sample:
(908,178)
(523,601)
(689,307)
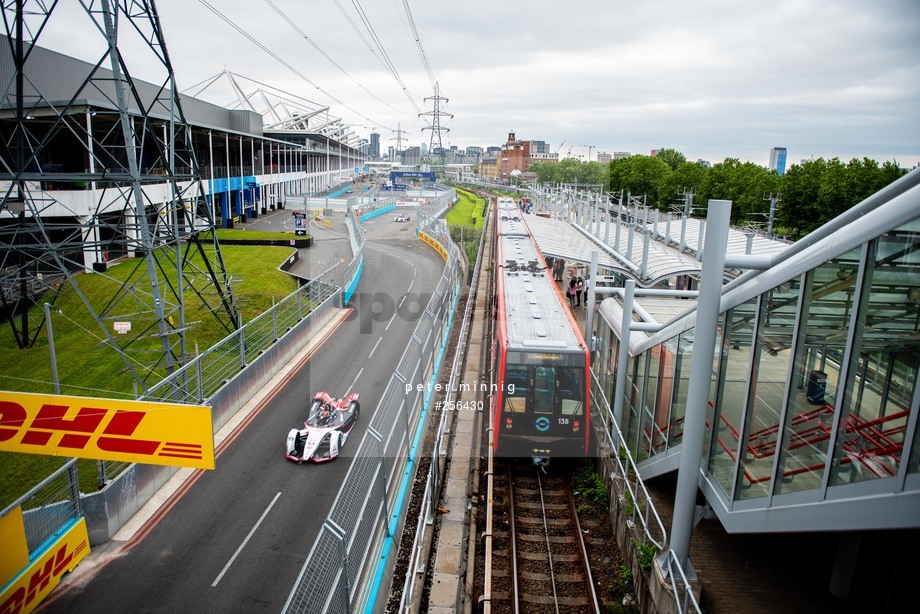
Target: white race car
(402,217)
(325,430)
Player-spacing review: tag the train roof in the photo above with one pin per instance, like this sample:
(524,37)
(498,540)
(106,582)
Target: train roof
(535,317)
(510,220)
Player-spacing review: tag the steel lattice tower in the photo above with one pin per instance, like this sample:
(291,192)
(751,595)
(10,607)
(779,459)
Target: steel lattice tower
(436,127)
(129,151)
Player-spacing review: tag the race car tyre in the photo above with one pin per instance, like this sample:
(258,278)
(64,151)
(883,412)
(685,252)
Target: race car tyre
(355,407)
(314,408)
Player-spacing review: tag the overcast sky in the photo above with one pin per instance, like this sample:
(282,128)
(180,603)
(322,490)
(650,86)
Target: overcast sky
(710,78)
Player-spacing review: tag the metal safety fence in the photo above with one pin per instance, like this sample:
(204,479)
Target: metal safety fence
(433,481)
(637,502)
(205,374)
(349,559)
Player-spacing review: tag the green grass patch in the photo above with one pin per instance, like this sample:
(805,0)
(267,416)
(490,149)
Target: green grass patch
(232,234)
(87,366)
(465,221)
(468,211)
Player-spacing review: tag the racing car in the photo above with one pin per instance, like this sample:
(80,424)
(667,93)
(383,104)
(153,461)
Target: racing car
(325,430)
(402,217)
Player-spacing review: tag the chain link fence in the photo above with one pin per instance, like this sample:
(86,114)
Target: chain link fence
(205,374)
(343,568)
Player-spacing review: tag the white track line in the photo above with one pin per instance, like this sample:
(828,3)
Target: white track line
(350,388)
(375,347)
(245,541)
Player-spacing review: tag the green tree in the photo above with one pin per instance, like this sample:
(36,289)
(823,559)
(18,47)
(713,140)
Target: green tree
(743,183)
(546,171)
(800,186)
(570,170)
(671,157)
(817,191)
(640,175)
(688,176)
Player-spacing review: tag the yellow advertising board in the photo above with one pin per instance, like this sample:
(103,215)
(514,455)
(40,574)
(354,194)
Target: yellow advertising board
(14,551)
(38,579)
(434,244)
(107,429)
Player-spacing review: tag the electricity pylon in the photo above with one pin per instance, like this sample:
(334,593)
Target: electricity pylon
(95,167)
(436,128)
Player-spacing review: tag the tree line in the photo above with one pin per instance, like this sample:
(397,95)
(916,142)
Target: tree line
(811,193)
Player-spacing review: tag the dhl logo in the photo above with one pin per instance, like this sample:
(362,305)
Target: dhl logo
(155,433)
(34,584)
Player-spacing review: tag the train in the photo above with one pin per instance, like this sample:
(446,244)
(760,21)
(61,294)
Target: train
(540,361)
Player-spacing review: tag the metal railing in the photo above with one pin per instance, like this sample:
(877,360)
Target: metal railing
(433,482)
(344,568)
(195,382)
(684,598)
(643,508)
(643,513)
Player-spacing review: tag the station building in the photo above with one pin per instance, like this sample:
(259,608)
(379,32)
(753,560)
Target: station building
(75,168)
(811,419)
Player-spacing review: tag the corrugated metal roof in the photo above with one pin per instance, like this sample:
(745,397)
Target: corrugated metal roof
(665,260)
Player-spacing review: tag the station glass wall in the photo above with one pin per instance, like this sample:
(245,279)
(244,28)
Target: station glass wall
(814,381)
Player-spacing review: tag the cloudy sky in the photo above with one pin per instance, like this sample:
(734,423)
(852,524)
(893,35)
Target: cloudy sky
(710,78)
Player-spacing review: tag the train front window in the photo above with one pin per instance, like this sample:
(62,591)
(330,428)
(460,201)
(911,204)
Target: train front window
(570,387)
(543,390)
(517,383)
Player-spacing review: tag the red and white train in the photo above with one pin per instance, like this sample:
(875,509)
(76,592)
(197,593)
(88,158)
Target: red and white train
(540,361)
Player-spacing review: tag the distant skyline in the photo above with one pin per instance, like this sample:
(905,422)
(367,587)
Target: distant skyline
(712,78)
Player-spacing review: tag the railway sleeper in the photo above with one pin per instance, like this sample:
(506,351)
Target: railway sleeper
(557,557)
(550,600)
(536,505)
(553,522)
(553,539)
(573,578)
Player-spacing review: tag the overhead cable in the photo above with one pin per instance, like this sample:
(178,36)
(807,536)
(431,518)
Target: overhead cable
(281,61)
(326,55)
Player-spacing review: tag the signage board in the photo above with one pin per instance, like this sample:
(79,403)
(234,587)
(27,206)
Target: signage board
(107,429)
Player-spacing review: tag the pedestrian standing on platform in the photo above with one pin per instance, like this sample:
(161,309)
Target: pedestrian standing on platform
(579,287)
(570,292)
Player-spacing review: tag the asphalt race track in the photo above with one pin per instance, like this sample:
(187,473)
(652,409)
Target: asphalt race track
(234,539)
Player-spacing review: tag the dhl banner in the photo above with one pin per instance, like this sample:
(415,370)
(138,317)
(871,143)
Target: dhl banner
(107,429)
(37,580)
(434,244)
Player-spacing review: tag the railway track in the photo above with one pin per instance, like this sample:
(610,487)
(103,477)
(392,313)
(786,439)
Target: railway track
(539,560)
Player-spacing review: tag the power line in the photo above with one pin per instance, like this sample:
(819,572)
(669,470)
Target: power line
(418,42)
(326,55)
(382,56)
(278,59)
(435,127)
